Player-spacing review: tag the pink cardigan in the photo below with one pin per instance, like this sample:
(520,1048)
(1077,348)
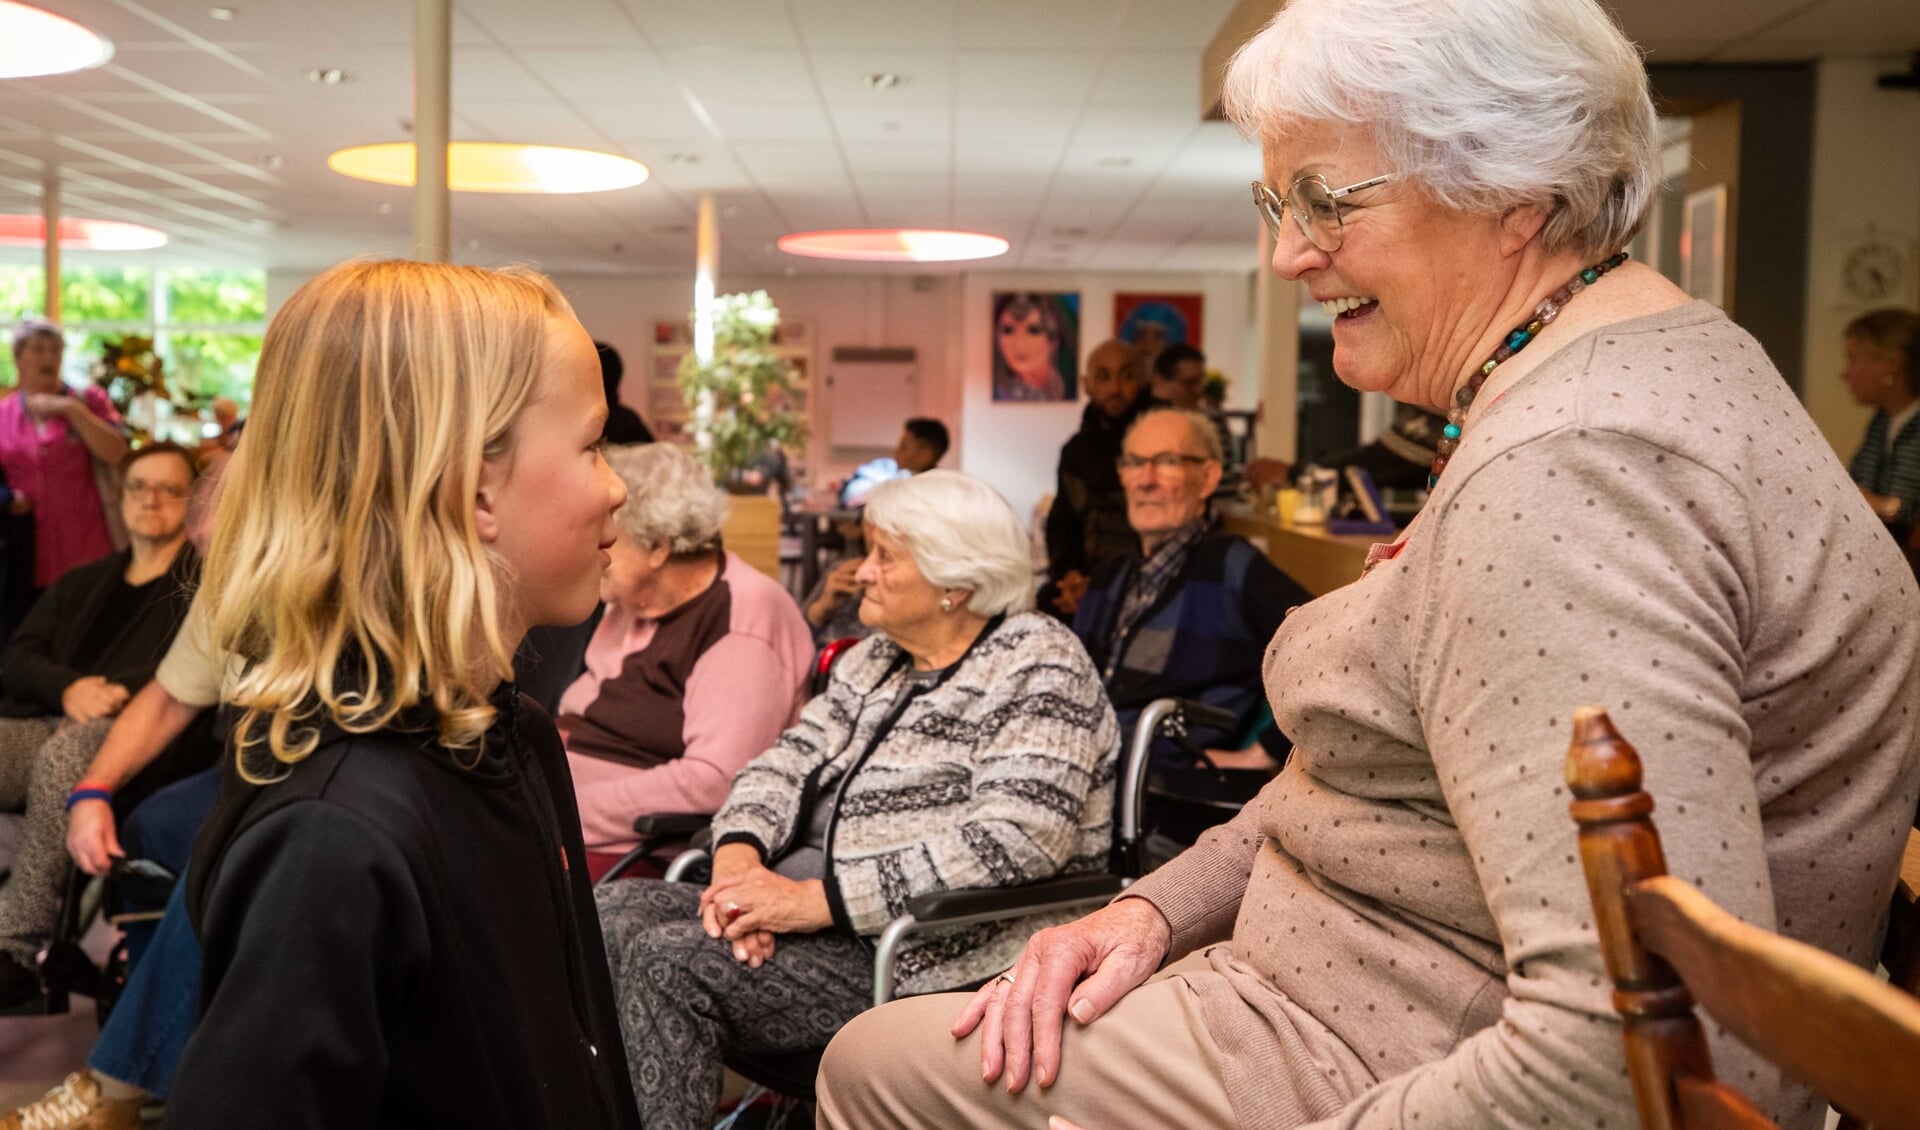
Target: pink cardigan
(668,710)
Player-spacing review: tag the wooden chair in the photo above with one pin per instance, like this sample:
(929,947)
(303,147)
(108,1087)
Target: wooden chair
(1828,1024)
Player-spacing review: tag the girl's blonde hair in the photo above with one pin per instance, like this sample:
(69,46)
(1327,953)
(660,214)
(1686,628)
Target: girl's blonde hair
(347,576)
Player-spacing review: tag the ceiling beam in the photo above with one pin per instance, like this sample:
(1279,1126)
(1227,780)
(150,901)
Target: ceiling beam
(1247,17)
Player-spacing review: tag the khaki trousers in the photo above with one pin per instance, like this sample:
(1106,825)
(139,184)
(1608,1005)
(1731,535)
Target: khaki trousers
(1148,1062)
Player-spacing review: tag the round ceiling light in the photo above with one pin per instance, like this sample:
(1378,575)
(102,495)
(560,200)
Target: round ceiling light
(80,235)
(39,43)
(495,166)
(36,42)
(894,245)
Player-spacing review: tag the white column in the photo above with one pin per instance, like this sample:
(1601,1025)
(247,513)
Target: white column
(1276,345)
(50,208)
(706,267)
(432,96)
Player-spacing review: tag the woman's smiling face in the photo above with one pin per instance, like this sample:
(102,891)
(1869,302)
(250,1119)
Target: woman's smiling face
(1417,283)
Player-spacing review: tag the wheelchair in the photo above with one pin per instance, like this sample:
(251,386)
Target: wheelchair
(788,1078)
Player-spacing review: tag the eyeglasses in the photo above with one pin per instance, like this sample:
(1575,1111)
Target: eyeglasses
(166,491)
(1165,461)
(1316,207)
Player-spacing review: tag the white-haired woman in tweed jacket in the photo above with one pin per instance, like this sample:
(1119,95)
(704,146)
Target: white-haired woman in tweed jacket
(968,743)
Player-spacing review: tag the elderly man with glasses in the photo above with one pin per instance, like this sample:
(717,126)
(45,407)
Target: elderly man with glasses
(1190,614)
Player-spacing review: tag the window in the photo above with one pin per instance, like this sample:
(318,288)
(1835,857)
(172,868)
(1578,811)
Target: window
(206,323)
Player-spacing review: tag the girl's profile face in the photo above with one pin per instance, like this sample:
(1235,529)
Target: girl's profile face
(547,505)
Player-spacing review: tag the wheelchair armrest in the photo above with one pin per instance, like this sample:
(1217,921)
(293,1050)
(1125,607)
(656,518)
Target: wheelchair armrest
(677,825)
(1211,717)
(936,907)
(991,904)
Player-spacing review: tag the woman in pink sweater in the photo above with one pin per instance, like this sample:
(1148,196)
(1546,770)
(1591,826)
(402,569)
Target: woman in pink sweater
(697,666)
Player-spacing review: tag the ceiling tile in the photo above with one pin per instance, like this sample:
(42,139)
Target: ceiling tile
(1055,25)
(981,131)
(867,24)
(771,121)
(927,77)
(520,24)
(597,74)
(728,75)
(1024,78)
(1150,78)
(919,126)
(895,159)
(737,23)
(646,121)
(1190,23)
(544,123)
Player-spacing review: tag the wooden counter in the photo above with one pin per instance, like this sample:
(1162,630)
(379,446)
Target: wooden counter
(1320,561)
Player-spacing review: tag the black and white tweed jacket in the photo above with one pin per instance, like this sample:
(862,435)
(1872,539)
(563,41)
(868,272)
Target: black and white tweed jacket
(1003,774)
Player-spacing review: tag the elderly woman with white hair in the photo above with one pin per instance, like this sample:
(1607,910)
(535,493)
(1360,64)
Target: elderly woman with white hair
(967,743)
(697,664)
(1629,509)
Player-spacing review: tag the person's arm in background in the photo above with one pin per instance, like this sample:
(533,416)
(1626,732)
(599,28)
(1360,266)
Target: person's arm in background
(739,698)
(90,414)
(187,682)
(144,730)
(28,670)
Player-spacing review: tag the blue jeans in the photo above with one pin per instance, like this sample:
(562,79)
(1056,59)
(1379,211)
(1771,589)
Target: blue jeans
(163,829)
(148,1029)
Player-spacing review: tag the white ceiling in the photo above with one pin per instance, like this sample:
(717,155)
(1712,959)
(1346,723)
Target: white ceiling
(1069,126)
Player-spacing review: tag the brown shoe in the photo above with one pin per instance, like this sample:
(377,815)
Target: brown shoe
(76,1104)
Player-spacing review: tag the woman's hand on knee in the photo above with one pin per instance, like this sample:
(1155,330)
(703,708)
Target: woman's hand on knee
(1082,968)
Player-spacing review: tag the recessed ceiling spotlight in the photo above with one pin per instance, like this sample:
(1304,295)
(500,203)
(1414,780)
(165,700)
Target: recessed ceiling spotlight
(385,208)
(272,161)
(683,158)
(884,80)
(1116,162)
(327,76)
(473,245)
(224,15)
(34,43)
(890,126)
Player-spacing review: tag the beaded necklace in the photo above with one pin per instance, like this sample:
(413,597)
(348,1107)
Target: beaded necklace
(1547,311)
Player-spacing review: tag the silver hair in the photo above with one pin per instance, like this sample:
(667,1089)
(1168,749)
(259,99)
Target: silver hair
(1489,104)
(31,328)
(1201,425)
(670,498)
(961,534)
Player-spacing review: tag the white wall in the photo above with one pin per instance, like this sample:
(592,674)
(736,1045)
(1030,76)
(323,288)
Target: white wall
(1866,178)
(945,319)
(1016,447)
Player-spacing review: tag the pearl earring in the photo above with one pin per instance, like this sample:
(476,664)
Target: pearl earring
(946,604)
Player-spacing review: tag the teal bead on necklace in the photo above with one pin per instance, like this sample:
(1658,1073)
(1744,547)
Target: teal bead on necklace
(1543,314)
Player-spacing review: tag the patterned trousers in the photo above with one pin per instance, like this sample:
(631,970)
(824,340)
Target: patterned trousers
(685,1002)
(41,759)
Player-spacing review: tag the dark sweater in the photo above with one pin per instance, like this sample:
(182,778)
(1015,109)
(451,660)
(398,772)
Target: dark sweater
(1204,638)
(1087,524)
(393,940)
(50,650)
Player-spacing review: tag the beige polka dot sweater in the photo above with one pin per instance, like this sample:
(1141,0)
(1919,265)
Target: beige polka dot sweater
(1649,521)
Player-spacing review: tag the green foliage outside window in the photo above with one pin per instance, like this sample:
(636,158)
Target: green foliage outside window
(208,323)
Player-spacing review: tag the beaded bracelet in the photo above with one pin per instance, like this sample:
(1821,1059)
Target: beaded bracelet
(88,790)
